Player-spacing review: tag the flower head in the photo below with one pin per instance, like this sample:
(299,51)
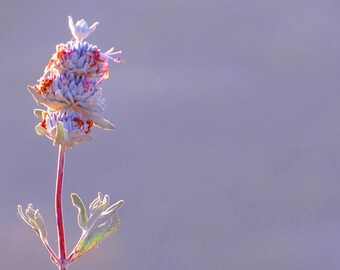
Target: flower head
(65,128)
(70,89)
(81,59)
(63,92)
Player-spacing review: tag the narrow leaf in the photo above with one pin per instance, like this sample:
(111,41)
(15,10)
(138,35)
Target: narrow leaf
(82,215)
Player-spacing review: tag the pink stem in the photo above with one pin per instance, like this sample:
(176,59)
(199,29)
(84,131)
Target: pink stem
(58,208)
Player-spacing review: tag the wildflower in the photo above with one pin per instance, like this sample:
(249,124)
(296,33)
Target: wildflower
(103,221)
(69,89)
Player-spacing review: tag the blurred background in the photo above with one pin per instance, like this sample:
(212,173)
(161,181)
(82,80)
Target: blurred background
(227,141)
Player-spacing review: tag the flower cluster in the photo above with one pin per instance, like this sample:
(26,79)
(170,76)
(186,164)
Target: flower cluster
(70,89)
(63,128)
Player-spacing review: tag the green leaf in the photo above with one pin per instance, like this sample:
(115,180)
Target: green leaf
(95,236)
(39,113)
(40,130)
(60,130)
(37,97)
(94,204)
(82,216)
(113,207)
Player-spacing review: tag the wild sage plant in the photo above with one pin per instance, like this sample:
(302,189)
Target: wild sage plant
(70,91)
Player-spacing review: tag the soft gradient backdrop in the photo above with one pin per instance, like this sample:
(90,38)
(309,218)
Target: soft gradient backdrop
(227,142)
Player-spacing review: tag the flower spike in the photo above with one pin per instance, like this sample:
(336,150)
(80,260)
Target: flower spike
(70,90)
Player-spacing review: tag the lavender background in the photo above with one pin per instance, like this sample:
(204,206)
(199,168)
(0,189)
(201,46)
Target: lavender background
(227,142)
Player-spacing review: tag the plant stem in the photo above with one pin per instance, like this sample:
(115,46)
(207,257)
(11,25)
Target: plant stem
(58,208)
